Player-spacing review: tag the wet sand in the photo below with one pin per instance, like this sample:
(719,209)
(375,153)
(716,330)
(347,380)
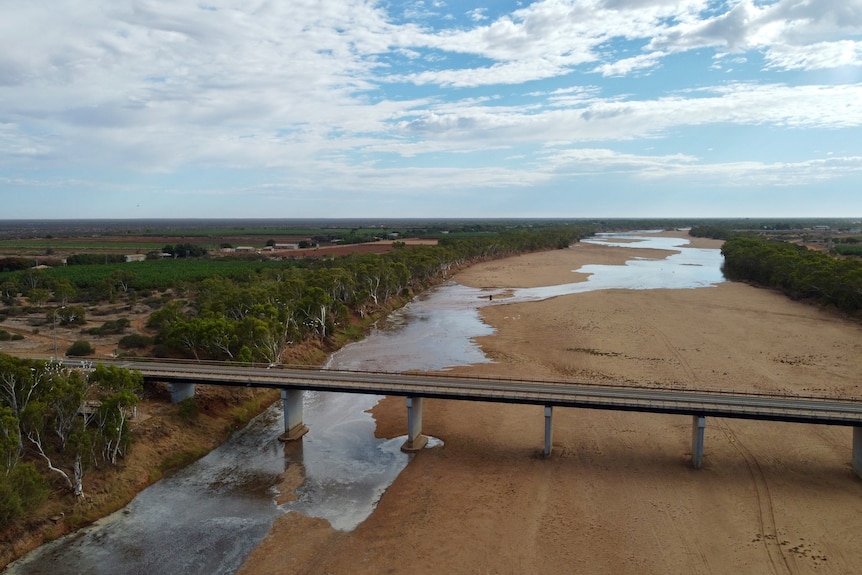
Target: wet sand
(619,494)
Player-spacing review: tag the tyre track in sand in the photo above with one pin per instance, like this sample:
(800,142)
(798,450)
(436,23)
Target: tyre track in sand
(767,524)
(691,550)
(768,527)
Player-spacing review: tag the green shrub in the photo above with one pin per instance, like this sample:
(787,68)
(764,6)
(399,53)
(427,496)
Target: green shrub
(80,348)
(110,327)
(21,491)
(135,340)
(188,410)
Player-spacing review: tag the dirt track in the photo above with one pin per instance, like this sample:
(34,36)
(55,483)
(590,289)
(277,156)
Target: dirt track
(619,494)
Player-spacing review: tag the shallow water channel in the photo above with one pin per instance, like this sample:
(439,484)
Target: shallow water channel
(208,517)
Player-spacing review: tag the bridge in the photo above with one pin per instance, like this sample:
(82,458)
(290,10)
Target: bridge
(182,377)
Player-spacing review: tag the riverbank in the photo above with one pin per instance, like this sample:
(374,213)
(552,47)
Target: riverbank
(163,440)
(619,494)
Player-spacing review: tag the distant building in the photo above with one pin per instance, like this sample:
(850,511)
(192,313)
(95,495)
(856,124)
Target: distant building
(136,258)
(244,249)
(820,228)
(287,246)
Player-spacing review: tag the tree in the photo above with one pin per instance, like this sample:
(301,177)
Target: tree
(118,395)
(31,279)
(219,336)
(58,434)
(313,307)
(38,296)
(64,397)
(266,338)
(69,315)
(165,318)
(122,280)
(68,465)
(9,291)
(10,439)
(20,383)
(64,291)
(187,335)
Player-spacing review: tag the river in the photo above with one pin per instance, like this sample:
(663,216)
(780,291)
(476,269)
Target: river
(206,518)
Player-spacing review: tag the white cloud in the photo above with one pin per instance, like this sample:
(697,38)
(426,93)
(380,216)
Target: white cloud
(627,65)
(477,14)
(692,169)
(348,92)
(794,34)
(819,56)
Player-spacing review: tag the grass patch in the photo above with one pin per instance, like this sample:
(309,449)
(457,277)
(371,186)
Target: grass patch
(177,461)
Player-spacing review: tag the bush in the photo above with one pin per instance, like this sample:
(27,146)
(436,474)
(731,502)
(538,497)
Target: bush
(188,410)
(110,327)
(22,490)
(135,340)
(80,348)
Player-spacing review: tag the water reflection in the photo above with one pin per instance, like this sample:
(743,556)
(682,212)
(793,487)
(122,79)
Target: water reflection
(437,330)
(686,268)
(346,468)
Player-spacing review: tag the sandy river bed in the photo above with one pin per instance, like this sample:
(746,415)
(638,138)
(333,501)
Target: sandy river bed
(618,494)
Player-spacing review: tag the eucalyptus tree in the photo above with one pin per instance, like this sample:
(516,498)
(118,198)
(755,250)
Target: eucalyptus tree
(49,401)
(117,392)
(59,438)
(64,291)
(11,446)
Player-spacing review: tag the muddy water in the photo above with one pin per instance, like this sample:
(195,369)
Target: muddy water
(208,517)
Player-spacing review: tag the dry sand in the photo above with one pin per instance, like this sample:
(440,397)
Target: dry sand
(619,494)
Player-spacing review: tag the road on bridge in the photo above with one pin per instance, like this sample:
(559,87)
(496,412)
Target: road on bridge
(548,393)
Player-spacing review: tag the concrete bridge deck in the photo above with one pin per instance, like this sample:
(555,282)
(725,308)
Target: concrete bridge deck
(554,393)
(699,404)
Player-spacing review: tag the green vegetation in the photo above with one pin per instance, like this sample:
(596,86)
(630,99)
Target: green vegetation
(258,308)
(715,232)
(21,489)
(188,410)
(796,270)
(177,461)
(853,250)
(58,422)
(135,341)
(80,348)
(112,327)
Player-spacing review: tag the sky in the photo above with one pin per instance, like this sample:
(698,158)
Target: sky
(430,109)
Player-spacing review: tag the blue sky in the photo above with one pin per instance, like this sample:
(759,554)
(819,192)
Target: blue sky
(557,108)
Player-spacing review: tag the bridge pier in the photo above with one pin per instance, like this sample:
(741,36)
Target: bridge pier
(698,427)
(181,391)
(294,428)
(857,450)
(415,439)
(549,430)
